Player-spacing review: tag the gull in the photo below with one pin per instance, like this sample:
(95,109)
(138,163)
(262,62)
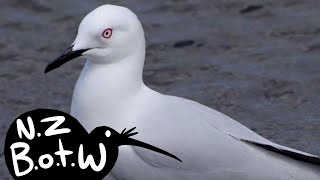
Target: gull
(110,92)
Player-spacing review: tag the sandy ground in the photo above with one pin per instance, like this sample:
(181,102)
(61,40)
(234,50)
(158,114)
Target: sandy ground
(256,61)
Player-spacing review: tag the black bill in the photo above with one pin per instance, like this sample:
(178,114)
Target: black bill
(65,57)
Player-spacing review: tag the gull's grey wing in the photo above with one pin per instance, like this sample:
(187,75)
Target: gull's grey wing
(210,144)
(240,132)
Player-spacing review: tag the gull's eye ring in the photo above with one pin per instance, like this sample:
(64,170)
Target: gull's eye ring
(107,33)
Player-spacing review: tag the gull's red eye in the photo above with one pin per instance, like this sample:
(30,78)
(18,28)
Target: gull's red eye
(107,33)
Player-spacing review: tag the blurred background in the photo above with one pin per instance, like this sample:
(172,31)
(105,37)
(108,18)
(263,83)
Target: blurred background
(258,61)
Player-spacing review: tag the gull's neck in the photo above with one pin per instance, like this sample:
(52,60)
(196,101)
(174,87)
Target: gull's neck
(119,78)
(103,91)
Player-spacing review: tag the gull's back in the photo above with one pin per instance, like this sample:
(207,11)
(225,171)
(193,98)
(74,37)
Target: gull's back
(210,144)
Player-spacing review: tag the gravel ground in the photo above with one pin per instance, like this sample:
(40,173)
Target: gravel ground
(256,61)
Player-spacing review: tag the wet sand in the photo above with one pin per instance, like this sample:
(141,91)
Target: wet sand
(256,61)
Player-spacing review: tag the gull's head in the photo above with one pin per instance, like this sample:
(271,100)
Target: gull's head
(106,35)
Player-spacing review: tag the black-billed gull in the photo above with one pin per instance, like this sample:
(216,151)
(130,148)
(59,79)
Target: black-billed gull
(110,91)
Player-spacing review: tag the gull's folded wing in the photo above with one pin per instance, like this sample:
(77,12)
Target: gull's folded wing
(242,133)
(292,153)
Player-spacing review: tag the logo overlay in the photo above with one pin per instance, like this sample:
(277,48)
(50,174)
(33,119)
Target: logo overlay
(50,144)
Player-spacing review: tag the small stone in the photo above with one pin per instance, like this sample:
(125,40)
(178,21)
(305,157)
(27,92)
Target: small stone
(184,43)
(250,8)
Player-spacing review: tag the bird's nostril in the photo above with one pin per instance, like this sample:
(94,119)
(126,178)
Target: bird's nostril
(108,133)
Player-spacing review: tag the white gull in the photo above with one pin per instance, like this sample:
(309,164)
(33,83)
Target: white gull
(110,92)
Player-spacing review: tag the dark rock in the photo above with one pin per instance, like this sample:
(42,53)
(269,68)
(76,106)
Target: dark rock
(183,43)
(250,8)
